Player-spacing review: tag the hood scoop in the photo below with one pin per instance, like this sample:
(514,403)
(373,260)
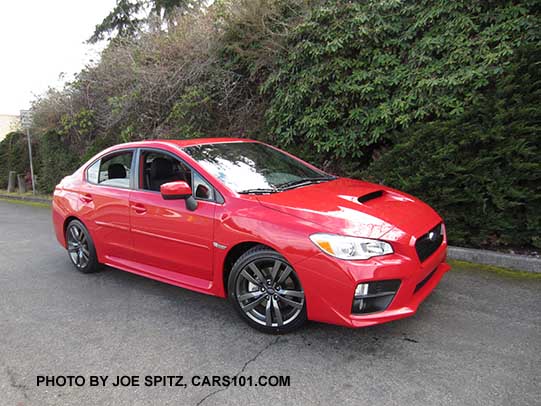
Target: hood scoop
(370,196)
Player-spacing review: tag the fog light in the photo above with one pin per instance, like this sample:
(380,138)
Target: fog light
(361,289)
(374,296)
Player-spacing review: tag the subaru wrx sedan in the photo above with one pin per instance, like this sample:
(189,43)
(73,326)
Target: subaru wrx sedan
(236,218)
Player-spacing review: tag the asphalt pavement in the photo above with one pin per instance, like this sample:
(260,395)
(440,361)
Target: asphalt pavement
(475,341)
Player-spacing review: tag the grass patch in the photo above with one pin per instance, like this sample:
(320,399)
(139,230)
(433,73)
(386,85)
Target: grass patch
(27,194)
(26,202)
(505,272)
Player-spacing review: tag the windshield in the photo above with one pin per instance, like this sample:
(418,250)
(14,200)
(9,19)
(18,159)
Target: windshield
(251,167)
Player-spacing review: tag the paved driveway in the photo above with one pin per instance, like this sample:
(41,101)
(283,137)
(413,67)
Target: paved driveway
(475,341)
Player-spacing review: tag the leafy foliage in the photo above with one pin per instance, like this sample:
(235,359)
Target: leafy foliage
(57,160)
(13,156)
(122,21)
(167,8)
(355,71)
(481,169)
(190,113)
(129,17)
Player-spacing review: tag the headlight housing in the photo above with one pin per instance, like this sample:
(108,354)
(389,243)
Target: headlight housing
(342,247)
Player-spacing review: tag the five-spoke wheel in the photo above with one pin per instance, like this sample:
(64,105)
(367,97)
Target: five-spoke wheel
(267,292)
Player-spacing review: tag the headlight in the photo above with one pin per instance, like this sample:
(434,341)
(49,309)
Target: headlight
(343,247)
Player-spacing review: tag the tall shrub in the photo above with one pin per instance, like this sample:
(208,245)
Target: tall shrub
(481,169)
(355,71)
(13,156)
(57,160)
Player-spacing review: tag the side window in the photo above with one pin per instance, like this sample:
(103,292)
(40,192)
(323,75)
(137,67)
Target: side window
(93,172)
(115,170)
(201,189)
(159,168)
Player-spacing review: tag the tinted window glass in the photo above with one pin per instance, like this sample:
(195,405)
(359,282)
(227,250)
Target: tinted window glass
(159,168)
(115,170)
(245,166)
(92,172)
(201,188)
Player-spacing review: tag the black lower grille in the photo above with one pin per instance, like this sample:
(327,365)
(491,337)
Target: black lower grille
(384,286)
(424,281)
(429,243)
(379,296)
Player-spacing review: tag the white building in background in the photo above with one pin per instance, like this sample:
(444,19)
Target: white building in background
(8,123)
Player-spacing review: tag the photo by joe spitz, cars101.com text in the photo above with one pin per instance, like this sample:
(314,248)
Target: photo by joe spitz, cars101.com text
(284,241)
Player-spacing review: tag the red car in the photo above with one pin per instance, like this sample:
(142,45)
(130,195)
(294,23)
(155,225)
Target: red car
(236,218)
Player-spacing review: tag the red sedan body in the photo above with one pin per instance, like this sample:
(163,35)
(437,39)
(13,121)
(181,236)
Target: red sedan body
(138,231)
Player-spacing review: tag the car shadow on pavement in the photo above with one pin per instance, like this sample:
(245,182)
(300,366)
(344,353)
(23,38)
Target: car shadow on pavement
(175,302)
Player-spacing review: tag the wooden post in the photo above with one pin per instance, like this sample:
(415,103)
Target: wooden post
(11,181)
(21,183)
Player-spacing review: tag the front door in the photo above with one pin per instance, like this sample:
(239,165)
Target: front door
(168,239)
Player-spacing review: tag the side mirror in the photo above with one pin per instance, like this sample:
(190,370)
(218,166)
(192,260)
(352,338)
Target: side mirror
(179,190)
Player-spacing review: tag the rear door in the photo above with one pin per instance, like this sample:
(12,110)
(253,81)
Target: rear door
(169,239)
(104,204)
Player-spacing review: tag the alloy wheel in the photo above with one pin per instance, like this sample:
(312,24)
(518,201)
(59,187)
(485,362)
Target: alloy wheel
(269,292)
(78,248)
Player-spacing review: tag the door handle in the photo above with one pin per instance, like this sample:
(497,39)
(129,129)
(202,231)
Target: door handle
(139,208)
(86,198)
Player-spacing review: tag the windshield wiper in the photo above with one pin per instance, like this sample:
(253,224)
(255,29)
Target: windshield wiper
(260,191)
(287,185)
(303,182)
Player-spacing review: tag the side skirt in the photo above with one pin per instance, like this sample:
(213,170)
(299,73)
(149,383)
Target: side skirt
(171,278)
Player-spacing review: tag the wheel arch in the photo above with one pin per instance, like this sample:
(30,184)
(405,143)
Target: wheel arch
(296,316)
(68,220)
(235,253)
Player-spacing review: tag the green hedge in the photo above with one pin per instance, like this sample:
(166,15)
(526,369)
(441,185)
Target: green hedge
(481,170)
(13,156)
(57,160)
(53,156)
(356,71)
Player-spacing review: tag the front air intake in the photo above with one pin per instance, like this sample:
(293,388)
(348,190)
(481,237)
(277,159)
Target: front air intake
(370,196)
(374,296)
(425,280)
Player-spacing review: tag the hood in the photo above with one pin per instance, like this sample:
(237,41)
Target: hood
(355,208)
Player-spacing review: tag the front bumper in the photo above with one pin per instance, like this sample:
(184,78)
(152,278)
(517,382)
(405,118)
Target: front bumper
(329,285)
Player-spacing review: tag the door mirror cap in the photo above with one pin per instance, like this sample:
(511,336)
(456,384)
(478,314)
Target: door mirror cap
(176,190)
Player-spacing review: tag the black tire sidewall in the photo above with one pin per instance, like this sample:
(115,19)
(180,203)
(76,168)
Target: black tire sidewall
(93,264)
(245,259)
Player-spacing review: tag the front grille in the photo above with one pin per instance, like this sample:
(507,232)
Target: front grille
(429,243)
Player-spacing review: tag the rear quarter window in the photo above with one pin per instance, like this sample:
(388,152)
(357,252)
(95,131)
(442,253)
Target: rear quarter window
(111,170)
(93,172)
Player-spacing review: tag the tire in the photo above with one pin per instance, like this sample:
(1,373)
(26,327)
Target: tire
(80,247)
(266,292)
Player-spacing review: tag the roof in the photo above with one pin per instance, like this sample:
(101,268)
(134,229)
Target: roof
(192,141)
(170,143)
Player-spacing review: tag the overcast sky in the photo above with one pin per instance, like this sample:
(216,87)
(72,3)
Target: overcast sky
(39,39)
